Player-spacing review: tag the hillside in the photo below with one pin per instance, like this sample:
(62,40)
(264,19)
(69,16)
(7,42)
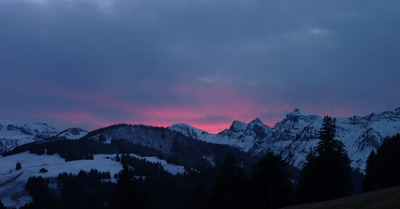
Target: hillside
(13,135)
(12,182)
(382,199)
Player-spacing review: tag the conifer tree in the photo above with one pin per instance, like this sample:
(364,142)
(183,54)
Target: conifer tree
(200,199)
(128,192)
(271,186)
(327,173)
(230,190)
(41,194)
(1,205)
(383,169)
(370,181)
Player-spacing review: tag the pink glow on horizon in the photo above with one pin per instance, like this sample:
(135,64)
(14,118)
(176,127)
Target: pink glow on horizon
(202,115)
(214,108)
(167,115)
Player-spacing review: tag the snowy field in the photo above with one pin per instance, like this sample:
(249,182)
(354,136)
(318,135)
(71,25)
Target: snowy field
(12,182)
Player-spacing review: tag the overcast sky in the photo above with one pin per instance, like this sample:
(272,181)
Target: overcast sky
(91,63)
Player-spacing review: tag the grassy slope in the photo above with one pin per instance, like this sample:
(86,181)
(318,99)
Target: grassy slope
(382,199)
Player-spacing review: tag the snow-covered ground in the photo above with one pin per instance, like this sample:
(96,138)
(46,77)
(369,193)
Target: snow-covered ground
(73,133)
(12,182)
(13,135)
(171,168)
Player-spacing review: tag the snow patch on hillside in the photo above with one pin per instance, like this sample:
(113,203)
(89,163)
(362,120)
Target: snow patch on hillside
(73,133)
(171,168)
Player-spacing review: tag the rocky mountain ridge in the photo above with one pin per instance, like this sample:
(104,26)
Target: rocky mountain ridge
(298,133)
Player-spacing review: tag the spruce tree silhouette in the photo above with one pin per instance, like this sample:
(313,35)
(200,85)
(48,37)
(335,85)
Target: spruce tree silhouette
(271,187)
(326,174)
(1,205)
(370,180)
(128,193)
(200,199)
(230,191)
(383,168)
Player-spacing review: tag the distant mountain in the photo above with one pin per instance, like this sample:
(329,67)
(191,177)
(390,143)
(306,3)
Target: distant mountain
(13,135)
(240,134)
(179,148)
(295,135)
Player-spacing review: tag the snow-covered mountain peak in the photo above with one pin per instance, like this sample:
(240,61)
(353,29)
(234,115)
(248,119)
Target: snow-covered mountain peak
(238,126)
(13,135)
(256,125)
(256,130)
(299,112)
(257,121)
(6,123)
(187,130)
(183,126)
(40,129)
(298,118)
(180,125)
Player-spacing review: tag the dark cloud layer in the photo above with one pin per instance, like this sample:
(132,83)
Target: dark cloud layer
(92,63)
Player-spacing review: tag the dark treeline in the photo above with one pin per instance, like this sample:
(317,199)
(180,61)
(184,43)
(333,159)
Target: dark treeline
(164,189)
(383,168)
(268,186)
(85,190)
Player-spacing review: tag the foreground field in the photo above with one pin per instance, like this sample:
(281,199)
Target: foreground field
(12,181)
(382,199)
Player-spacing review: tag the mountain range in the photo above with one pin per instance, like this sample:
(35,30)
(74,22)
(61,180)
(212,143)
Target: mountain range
(298,133)
(178,149)
(292,138)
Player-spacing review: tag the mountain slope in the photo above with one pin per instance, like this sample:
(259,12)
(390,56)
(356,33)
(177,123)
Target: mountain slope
(295,135)
(298,133)
(169,144)
(13,135)
(72,133)
(12,182)
(240,135)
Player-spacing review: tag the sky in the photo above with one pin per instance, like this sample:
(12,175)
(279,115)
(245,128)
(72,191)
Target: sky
(93,63)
